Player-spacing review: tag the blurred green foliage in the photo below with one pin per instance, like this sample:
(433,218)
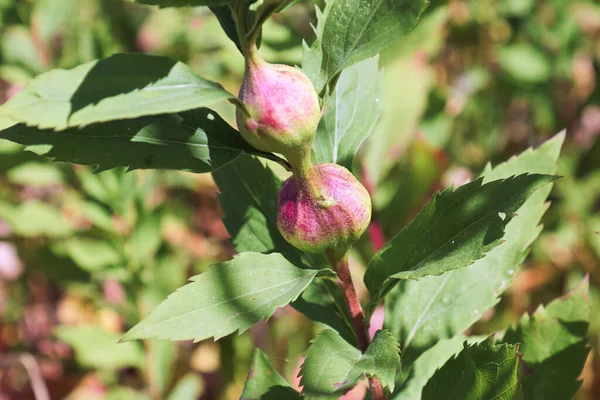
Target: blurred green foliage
(83,256)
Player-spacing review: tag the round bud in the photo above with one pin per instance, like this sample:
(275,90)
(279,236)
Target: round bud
(283,109)
(326,213)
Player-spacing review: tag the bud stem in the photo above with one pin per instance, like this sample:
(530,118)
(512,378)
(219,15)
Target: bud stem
(356,315)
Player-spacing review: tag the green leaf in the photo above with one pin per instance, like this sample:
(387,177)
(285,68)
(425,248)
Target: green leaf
(440,307)
(327,365)
(160,361)
(428,363)
(96,348)
(125,393)
(122,86)
(481,371)
(349,31)
(248,197)
(382,359)
(197,141)
(264,382)
(184,3)
(191,386)
(554,345)
(223,14)
(35,174)
(400,116)
(322,302)
(92,254)
(525,63)
(231,296)
(36,218)
(145,241)
(332,366)
(350,114)
(453,230)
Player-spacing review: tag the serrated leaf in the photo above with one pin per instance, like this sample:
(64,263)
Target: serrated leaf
(453,230)
(332,366)
(428,363)
(481,371)
(350,114)
(264,382)
(439,307)
(553,342)
(197,141)
(350,31)
(122,86)
(184,3)
(96,348)
(231,296)
(381,360)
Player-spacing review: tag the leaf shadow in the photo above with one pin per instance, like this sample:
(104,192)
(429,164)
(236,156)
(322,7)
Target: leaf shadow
(127,78)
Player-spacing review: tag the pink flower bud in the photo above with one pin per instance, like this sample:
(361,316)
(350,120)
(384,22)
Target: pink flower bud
(327,211)
(283,109)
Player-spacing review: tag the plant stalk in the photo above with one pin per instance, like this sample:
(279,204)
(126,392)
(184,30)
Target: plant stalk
(356,315)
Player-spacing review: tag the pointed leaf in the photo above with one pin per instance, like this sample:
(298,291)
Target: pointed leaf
(332,366)
(481,371)
(231,296)
(122,86)
(439,307)
(350,31)
(264,382)
(554,345)
(453,230)
(198,141)
(350,114)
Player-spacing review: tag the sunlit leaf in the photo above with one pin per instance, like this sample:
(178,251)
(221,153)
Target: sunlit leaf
(553,342)
(453,230)
(440,307)
(231,296)
(122,86)
(481,371)
(350,114)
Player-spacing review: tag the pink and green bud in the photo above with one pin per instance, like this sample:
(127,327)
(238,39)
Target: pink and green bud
(325,211)
(283,109)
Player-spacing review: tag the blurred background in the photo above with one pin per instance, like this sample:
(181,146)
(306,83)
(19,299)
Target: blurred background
(83,256)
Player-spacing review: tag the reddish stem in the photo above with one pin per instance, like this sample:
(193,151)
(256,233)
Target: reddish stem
(356,315)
